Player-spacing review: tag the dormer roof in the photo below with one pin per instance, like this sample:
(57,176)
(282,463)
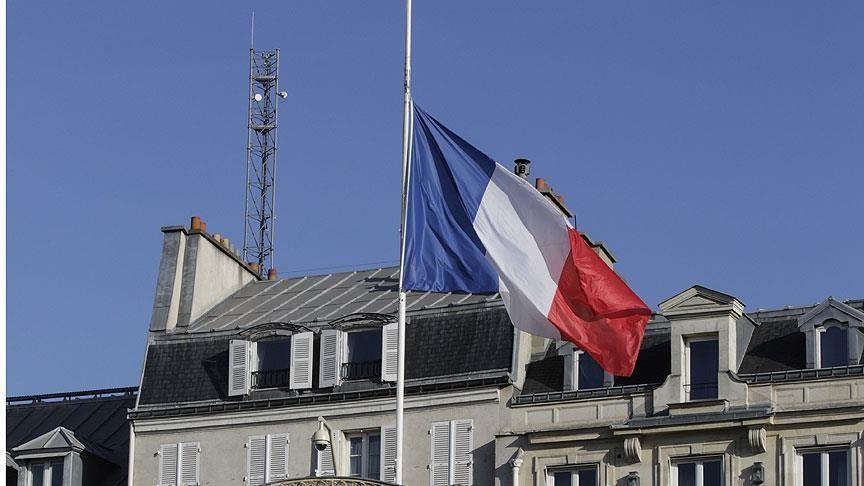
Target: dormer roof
(58,441)
(832,309)
(699,300)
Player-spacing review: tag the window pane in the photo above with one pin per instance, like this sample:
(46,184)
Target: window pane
(274,355)
(704,364)
(590,373)
(834,347)
(37,473)
(712,473)
(587,477)
(687,474)
(364,346)
(374,462)
(563,478)
(57,473)
(355,453)
(838,468)
(812,473)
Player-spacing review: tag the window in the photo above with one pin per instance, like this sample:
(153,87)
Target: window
(833,346)
(452,448)
(577,476)
(364,455)
(362,355)
(824,468)
(581,372)
(272,363)
(179,464)
(358,354)
(266,458)
(702,472)
(48,473)
(702,361)
(279,362)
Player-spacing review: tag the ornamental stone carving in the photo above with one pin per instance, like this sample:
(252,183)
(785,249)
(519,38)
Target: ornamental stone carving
(756,437)
(633,449)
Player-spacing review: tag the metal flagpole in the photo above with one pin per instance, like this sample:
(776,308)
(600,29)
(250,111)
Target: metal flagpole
(406,136)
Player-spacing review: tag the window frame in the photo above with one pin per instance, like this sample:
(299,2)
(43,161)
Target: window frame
(823,463)
(822,329)
(699,461)
(364,435)
(688,375)
(572,359)
(574,471)
(47,470)
(255,359)
(346,351)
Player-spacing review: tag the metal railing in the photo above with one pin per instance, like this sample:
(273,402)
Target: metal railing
(361,370)
(271,378)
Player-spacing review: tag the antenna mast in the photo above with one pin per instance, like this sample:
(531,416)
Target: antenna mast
(264,94)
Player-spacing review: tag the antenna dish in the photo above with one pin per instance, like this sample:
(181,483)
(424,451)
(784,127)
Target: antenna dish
(258,97)
(283,94)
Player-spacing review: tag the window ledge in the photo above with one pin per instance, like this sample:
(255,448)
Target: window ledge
(699,406)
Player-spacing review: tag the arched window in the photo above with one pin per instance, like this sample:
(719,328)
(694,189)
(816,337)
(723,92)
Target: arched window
(833,346)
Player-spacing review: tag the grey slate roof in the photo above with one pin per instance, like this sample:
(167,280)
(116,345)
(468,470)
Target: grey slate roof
(322,298)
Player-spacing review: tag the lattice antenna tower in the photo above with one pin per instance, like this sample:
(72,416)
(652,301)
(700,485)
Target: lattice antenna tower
(264,96)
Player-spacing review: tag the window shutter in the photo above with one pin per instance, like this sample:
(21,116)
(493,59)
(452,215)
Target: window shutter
(331,359)
(256,460)
(439,467)
(301,361)
(238,367)
(388,454)
(389,351)
(463,444)
(189,463)
(168,465)
(325,458)
(277,457)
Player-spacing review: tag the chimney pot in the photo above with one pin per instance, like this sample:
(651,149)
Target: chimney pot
(522,168)
(254,266)
(271,274)
(217,237)
(226,242)
(203,227)
(195,224)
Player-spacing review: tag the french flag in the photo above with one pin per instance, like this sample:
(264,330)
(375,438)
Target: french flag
(474,226)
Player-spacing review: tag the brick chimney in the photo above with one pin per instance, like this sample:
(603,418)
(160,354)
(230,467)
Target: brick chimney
(196,272)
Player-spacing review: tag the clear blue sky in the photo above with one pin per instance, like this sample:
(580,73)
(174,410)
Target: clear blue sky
(714,143)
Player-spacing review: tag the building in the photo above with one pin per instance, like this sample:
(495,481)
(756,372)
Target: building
(69,439)
(241,373)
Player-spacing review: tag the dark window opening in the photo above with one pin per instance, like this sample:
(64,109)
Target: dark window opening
(704,363)
(590,373)
(363,355)
(834,347)
(273,363)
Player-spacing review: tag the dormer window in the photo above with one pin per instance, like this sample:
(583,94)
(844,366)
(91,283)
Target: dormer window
(581,372)
(275,356)
(48,473)
(702,363)
(358,351)
(833,345)
(833,333)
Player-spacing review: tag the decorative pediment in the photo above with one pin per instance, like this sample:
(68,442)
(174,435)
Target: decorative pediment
(829,310)
(698,300)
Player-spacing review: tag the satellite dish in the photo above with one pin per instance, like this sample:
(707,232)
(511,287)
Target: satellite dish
(258,97)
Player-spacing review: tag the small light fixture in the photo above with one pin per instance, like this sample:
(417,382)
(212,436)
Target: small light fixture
(258,97)
(633,479)
(757,473)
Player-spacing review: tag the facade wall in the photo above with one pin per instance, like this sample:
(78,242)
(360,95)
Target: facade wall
(222,436)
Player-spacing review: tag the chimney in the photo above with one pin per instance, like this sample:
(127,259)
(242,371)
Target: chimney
(556,199)
(600,249)
(272,274)
(196,272)
(522,168)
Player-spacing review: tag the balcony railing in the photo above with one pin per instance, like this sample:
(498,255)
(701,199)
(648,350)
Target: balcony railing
(701,391)
(270,378)
(361,370)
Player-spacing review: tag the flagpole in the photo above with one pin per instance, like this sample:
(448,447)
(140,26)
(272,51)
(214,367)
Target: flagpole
(406,136)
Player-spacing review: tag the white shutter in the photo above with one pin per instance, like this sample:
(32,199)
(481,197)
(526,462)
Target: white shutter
(301,361)
(388,454)
(256,460)
(463,445)
(238,367)
(168,465)
(439,467)
(325,466)
(331,358)
(389,351)
(188,464)
(277,457)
